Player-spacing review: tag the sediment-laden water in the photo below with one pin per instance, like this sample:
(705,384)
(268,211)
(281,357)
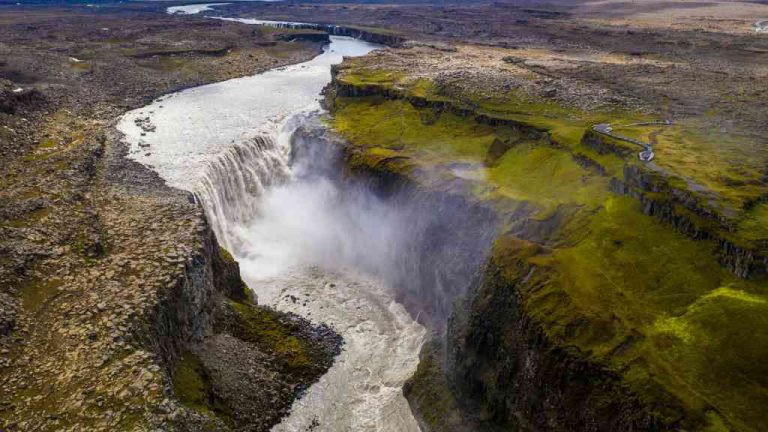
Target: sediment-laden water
(303,244)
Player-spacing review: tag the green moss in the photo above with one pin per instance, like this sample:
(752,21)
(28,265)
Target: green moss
(226,255)
(429,391)
(172,63)
(754,224)
(48,143)
(529,171)
(547,176)
(31,217)
(190,384)
(566,125)
(721,341)
(423,87)
(372,77)
(398,126)
(271,332)
(658,307)
(36,293)
(375,30)
(726,163)
(80,66)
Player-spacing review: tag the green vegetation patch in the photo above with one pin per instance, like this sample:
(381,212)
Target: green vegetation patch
(378,77)
(192,387)
(36,293)
(548,176)
(657,307)
(727,163)
(429,390)
(754,225)
(225,255)
(565,124)
(397,125)
(190,384)
(527,170)
(80,66)
(275,334)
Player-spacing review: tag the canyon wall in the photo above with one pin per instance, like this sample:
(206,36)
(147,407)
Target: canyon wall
(505,360)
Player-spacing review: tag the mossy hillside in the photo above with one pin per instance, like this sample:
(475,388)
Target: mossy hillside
(656,307)
(754,224)
(724,167)
(626,290)
(448,145)
(565,125)
(728,163)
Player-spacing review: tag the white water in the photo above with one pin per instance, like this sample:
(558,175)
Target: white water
(254,21)
(192,9)
(295,236)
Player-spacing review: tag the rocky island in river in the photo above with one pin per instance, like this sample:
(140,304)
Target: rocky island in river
(310,216)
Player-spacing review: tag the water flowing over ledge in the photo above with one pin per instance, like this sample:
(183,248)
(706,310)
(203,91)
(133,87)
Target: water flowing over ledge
(229,143)
(233,182)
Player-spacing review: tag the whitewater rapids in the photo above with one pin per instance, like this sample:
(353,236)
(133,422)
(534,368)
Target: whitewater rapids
(298,239)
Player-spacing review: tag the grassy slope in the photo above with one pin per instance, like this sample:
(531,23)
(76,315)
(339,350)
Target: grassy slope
(625,288)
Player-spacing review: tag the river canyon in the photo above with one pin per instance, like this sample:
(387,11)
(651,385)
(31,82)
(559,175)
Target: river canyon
(304,244)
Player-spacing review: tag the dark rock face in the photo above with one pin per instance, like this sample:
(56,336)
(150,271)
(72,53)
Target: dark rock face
(13,98)
(604,145)
(446,239)
(368,36)
(185,314)
(257,394)
(687,214)
(308,36)
(501,361)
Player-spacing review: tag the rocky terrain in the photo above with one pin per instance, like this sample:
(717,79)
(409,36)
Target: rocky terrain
(118,310)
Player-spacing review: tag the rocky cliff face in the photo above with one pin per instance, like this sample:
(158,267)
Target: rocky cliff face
(564,326)
(383,38)
(502,362)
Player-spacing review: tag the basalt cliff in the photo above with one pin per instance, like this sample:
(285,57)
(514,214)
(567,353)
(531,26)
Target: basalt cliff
(613,295)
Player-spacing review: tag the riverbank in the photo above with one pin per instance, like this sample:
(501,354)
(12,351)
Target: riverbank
(108,275)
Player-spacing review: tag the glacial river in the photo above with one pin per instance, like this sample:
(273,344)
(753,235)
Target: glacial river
(299,242)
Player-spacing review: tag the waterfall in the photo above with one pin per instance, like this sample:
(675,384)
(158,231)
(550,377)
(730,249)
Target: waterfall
(295,229)
(231,184)
(299,234)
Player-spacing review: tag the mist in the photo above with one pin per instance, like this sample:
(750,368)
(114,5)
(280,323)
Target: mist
(283,204)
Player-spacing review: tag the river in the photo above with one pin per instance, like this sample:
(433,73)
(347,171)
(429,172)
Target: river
(303,245)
